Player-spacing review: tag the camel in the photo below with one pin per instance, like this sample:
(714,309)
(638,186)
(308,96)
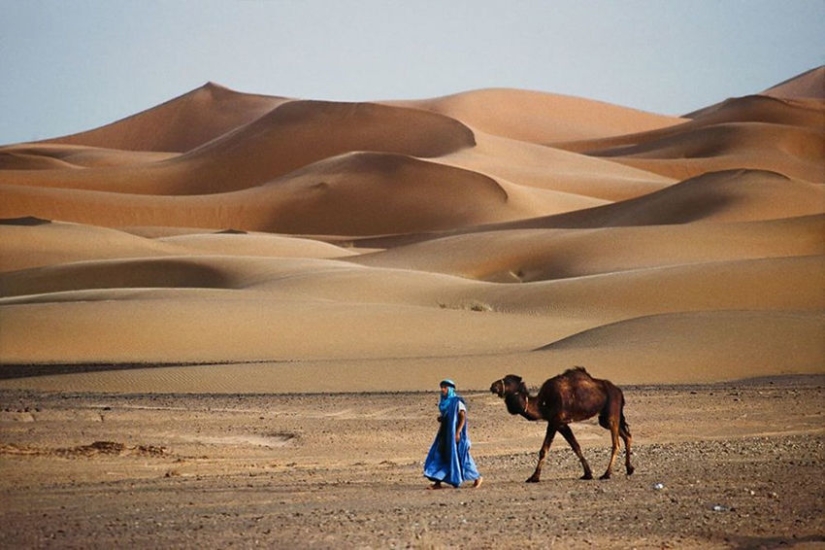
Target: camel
(572,396)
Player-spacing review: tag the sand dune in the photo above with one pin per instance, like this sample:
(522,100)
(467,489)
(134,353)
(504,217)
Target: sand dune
(726,136)
(23,246)
(353,194)
(399,241)
(111,312)
(180,124)
(730,146)
(61,157)
(809,84)
(805,112)
(62,243)
(571,173)
(731,196)
(528,255)
(541,117)
(759,341)
(287,138)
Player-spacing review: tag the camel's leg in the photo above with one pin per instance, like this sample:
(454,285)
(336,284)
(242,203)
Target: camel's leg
(571,439)
(624,432)
(614,436)
(548,440)
(612,418)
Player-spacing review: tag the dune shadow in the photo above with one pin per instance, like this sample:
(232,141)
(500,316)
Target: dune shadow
(25,221)
(19,370)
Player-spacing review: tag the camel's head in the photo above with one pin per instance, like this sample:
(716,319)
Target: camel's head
(508,385)
(514,392)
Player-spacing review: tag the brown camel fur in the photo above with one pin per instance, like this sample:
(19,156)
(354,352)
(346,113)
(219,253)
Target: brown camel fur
(572,396)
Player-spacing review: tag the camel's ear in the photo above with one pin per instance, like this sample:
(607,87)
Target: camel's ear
(523,388)
(513,378)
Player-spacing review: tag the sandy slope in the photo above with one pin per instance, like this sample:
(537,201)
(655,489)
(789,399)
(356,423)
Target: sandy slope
(377,246)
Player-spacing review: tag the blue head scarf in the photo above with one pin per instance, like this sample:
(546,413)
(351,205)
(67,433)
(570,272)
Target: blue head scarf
(446,400)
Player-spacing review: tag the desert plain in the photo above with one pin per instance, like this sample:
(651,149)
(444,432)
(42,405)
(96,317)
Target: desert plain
(223,320)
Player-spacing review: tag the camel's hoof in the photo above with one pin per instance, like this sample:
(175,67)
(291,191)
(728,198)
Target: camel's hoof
(606,475)
(532,480)
(630,470)
(587,476)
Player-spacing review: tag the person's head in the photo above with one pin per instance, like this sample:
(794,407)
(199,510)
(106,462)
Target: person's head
(447,388)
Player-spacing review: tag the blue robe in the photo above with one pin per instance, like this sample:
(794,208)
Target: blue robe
(447,461)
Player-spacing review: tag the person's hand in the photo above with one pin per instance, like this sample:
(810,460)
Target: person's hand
(457,437)
(440,418)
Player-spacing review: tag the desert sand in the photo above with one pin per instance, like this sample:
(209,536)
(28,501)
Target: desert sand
(728,465)
(231,244)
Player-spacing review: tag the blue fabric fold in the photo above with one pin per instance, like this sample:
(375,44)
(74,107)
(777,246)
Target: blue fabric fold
(447,461)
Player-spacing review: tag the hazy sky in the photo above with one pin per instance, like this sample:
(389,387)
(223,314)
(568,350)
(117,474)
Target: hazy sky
(72,65)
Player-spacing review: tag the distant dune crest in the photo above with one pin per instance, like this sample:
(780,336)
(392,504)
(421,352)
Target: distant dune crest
(180,124)
(392,240)
(810,84)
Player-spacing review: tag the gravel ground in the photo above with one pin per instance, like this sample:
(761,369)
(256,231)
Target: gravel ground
(734,465)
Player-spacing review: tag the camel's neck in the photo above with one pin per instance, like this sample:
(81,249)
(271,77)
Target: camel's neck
(524,405)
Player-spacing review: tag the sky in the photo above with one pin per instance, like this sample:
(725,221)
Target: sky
(69,66)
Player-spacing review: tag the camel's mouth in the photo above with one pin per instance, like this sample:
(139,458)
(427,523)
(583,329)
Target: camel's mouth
(497,388)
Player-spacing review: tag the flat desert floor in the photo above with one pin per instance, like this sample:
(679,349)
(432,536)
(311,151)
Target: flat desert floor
(727,465)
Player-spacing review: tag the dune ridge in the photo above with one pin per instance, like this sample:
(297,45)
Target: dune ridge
(540,117)
(179,124)
(808,84)
(486,231)
(726,136)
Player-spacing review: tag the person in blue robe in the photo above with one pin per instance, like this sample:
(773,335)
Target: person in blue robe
(449,460)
